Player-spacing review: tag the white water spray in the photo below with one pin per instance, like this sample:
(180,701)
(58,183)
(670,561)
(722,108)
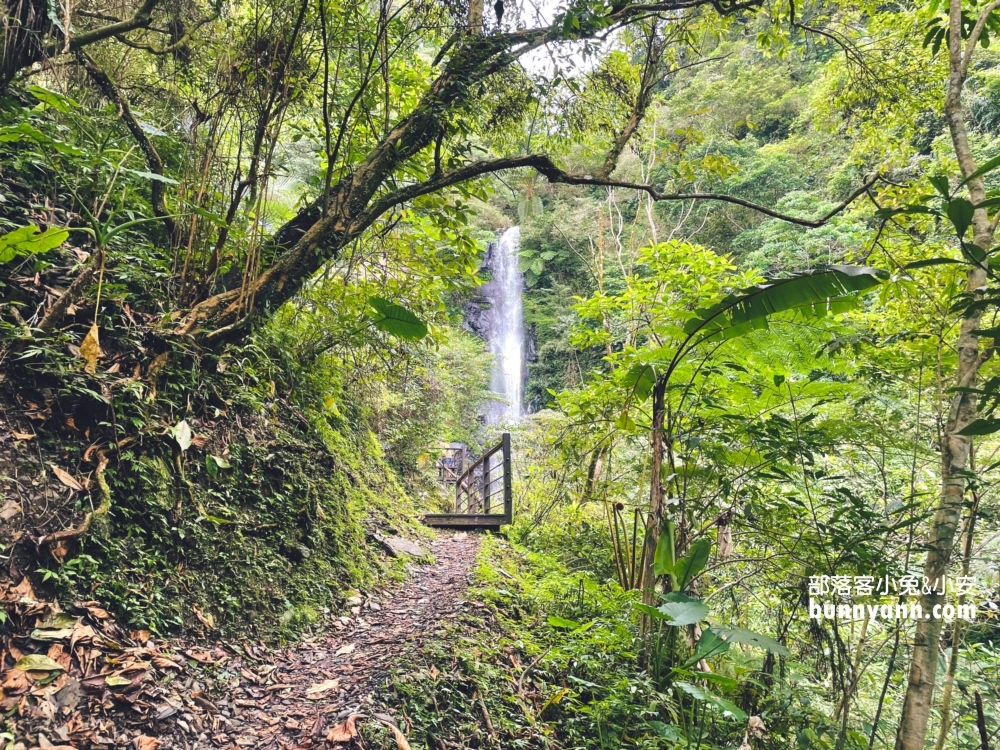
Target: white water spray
(506,336)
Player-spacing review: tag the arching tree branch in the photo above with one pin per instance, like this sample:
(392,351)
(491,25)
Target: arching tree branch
(545,166)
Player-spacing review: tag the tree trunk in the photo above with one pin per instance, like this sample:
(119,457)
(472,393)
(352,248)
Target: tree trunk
(316,236)
(656,504)
(25,27)
(955,448)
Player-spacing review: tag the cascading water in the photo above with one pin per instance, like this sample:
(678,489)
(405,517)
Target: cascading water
(506,330)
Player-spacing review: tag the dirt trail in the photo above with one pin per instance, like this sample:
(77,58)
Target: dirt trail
(245,696)
(316,685)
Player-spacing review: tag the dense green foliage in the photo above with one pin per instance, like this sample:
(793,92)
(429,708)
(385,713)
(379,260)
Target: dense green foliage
(239,242)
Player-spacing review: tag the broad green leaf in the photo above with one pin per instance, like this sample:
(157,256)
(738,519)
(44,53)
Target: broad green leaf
(710,644)
(741,313)
(397,320)
(214,463)
(52,99)
(959,212)
(668,732)
(684,612)
(639,380)
(749,638)
(699,693)
(724,682)
(25,131)
(692,564)
(941,184)
(30,240)
(650,611)
(39,663)
(931,262)
(113,680)
(980,427)
(663,557)
(887,213)
(561,623)
(989,166)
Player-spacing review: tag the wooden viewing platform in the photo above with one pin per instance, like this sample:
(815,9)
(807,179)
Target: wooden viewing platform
(479,491)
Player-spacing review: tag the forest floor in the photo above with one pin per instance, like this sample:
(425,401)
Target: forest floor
(314,694)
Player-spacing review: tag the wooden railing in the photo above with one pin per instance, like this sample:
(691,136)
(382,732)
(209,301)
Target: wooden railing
(484,494)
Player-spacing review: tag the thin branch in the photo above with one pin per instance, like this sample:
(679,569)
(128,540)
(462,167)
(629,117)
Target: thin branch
(153,161)
(142,18)
(544,165)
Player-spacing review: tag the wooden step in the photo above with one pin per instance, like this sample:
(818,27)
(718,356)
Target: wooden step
(465,520)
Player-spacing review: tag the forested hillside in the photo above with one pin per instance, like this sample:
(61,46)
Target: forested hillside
(274,275)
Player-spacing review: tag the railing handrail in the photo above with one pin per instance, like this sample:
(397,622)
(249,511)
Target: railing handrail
(466,482)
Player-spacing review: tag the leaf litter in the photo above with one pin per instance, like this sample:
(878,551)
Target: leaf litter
(77,679)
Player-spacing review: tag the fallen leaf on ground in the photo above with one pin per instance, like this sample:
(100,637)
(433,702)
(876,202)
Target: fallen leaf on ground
(145,742)
(66,478)
(90,349)
(401,743)
(346,731)
(346,649)
(202,657)
(316,691)
(22,435)
(9,510)
(164,662)
(37,662)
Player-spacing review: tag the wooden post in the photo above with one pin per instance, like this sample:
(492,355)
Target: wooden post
(508,488)
(486,483)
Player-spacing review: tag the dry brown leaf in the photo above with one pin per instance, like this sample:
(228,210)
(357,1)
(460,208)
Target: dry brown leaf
(199,441)
(22,435)
(9,510)
(145,742)
(317,690)
(58,654)
(50,746)
(66,478)
(205,619)
(164,662)
(14,681)
(725,542)
(90,349)
(346,731)
(343,650)
(158,364)
(755,726)
(59,551)
(401,743)
(94,610)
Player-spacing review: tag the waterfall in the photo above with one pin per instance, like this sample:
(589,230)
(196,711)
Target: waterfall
(506,330)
